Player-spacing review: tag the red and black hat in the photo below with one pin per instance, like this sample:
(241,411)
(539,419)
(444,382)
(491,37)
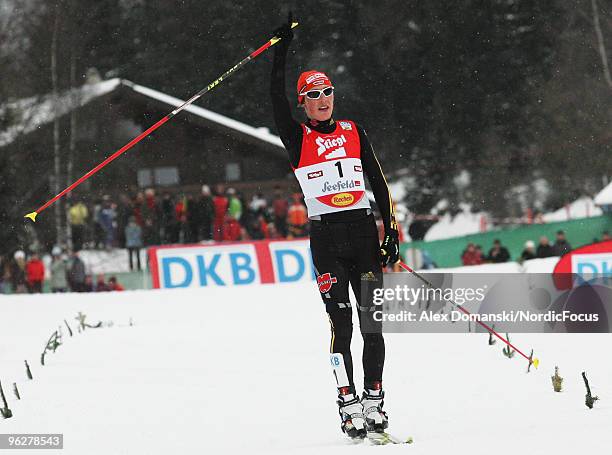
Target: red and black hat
(309,80)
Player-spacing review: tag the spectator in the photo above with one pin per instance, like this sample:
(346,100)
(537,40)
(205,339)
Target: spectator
(76,273)
(471,256)
(207,210)
(280,207)
(59,271)
(133,242)
(258,203)
(98,230)
(124,210)
(272,232)
(18,272)
(5,273)
(220,204)
(88,284)
(498,253)
(297,218)
(194,219)
(169,224)
(252,224)
(561,245)
(101,284)
(234,205)
(150,218)
(106,219)
(529,251)
(113,284)
(35,274)
(544,250)
(605,236)
(77,215)
(232,230)
(180,213)
(480,252)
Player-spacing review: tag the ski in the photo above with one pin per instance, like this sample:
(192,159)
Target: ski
(385,438)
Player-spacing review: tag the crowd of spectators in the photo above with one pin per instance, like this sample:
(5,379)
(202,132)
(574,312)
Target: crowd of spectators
(219,215)
(473,254)
(19,274)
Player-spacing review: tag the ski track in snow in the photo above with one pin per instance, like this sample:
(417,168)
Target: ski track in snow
(245,370)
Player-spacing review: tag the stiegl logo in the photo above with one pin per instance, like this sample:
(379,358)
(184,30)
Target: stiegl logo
(326,144)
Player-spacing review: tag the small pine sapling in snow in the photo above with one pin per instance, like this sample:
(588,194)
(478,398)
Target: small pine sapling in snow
(28,372)
(508,351)
(4,410)
(530,361)
(590,399)
(69,329)
(16,391)
(81,318)
(492,340)
(557,381)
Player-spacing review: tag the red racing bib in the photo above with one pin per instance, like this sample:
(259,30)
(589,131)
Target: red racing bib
(330,172)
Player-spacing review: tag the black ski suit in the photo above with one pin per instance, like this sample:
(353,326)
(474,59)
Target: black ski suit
(343,244)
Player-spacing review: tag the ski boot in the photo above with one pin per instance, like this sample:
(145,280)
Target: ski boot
(376,419)
(351,414)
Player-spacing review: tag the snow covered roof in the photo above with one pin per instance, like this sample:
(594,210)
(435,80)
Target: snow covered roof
(35,112)
(604,197)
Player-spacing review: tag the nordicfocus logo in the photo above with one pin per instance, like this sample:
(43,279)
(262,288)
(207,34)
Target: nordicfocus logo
(327,144)
(342,199)
(315,175)
(340,185)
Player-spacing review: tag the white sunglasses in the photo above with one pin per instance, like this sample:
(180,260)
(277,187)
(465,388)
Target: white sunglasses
(315,94)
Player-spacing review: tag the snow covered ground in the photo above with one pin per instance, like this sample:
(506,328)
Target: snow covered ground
(245,370)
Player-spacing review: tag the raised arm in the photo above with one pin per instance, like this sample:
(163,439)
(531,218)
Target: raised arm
(289,130)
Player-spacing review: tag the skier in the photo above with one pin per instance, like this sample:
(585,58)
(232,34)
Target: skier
(329,158)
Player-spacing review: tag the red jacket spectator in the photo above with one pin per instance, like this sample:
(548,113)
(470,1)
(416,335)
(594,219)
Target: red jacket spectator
(35,273)
(471,256)
(180,211)
(101,285)
(232,230)
(220,204)
(113,284)
(35,270)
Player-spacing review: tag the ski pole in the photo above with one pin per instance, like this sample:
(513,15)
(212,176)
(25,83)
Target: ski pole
(532,361)
(137,139)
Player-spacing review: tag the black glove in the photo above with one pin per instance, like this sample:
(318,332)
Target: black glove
(389,249)
(284,32)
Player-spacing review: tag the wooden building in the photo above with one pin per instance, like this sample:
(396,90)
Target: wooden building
(196,147)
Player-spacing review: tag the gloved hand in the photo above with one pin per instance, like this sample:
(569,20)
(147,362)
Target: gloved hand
(284,32)
(389,249)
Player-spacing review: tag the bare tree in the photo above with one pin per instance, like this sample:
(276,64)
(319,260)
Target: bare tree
(56,126)
(601,44)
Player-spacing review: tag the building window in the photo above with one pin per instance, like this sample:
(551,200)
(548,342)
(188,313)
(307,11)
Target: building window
(166,176)
(145,178)
(232,172)
(159,176)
